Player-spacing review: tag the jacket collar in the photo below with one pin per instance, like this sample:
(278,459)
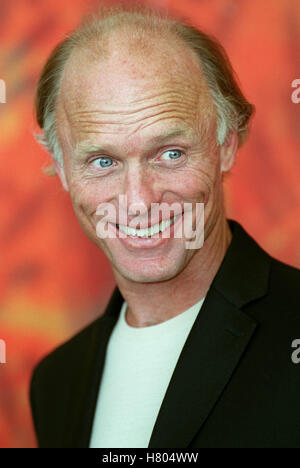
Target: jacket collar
(215,345)
(244,273)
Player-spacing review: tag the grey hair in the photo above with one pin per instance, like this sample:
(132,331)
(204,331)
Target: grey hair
(233,110)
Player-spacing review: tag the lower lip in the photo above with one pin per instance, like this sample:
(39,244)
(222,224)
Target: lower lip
(136,242)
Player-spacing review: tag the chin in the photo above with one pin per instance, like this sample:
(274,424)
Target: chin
(148,273)
(143,278)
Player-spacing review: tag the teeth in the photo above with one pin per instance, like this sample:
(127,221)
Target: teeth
(148,232)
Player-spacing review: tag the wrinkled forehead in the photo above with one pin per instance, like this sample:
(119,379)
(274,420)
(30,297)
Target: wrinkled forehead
(127,77)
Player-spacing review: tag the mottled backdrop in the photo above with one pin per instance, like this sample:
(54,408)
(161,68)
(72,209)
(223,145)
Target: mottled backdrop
(53,280)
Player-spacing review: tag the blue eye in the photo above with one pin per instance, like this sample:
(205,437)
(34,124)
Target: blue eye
(104,162)
(173,154)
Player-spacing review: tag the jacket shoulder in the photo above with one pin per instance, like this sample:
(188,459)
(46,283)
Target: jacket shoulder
(72,352)
(69,352)
(52,382)
(285,282)
(290,273)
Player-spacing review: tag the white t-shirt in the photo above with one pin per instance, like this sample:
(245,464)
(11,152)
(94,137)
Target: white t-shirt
(138,367)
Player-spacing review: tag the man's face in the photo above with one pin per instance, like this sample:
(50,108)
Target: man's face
(140,125)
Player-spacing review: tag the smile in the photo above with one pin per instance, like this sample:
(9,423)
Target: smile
(147,232)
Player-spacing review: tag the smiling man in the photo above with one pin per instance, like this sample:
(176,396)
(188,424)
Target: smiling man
(138,105)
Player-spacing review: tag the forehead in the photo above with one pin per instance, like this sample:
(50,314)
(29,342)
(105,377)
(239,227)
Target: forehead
(128,89)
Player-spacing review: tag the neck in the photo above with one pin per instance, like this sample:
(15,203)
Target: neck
(186,289)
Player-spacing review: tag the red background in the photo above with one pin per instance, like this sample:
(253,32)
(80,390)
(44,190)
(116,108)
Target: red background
(53,280)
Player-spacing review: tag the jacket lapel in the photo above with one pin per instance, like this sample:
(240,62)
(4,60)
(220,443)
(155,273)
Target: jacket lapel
(82,404)
(215,345)
(212,351)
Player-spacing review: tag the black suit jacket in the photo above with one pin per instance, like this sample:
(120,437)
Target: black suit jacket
(234,385)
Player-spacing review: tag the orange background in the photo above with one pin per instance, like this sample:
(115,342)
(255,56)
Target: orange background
(53,280)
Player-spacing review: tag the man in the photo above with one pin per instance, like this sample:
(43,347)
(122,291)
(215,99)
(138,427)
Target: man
(195,347)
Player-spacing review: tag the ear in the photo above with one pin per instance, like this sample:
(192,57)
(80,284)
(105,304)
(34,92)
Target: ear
(61,174)
(228,151)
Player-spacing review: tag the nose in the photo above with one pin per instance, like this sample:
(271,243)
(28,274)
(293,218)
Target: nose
(139,186)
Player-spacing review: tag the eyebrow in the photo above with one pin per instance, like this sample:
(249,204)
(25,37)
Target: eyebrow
(87,147)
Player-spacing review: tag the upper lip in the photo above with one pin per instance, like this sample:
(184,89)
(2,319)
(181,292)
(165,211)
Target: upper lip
(145,226)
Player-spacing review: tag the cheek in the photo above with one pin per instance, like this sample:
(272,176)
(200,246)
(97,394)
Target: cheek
(196,184)
(87,195)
